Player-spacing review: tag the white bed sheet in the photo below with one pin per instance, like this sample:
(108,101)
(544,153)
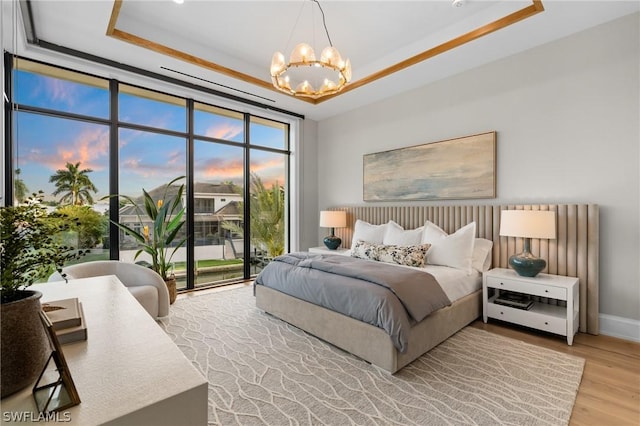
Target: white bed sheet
(455,282)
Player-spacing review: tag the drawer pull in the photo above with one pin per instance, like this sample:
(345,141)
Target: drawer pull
(501,283)
(546,323)
(546,291)
(501,313)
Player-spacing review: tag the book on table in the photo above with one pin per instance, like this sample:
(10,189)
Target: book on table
(514,300)
(67,319)
(73,334)
(63,313)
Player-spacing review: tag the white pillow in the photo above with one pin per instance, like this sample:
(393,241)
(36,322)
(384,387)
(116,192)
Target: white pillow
(481,258)
(396,235)
(367,232)
(455,250)
(402,255)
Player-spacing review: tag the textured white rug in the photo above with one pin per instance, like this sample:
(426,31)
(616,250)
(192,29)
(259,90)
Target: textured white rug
(262,371)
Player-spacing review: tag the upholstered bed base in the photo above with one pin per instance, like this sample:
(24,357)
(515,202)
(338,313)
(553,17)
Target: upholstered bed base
(574,252)
(364,340)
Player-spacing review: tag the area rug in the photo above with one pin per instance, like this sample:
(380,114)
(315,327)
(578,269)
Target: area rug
(263,371)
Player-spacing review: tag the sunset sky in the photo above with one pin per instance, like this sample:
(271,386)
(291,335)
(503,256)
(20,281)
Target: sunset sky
(147,160)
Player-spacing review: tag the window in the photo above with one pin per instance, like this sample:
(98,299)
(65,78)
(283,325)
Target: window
(268,171)
(52,88)
(218,232)
(153,109)
(63,129)
(150,161)
(61,146)
(218,123)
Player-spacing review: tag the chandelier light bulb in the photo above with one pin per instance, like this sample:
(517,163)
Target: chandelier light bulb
(346,71)
(284,83)
(331,56)
(305,87)
(277,63)
(302,53)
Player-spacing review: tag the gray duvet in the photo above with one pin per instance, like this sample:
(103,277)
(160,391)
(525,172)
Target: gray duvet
(383,295)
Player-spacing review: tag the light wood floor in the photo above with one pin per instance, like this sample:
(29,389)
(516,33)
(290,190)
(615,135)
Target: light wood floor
(609,394)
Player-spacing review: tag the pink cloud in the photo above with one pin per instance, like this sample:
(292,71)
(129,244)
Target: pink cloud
(224,131)
(90,148)
(270,170)
(222,169)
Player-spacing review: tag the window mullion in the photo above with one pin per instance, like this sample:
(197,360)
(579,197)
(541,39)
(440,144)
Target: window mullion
(114,171)
(247,198)
(190,246)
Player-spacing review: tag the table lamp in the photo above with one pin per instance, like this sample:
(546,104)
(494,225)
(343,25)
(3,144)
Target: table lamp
(332,219)
(527,224)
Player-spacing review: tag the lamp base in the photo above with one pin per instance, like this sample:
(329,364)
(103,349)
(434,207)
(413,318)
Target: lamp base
(332,242)
(526,264)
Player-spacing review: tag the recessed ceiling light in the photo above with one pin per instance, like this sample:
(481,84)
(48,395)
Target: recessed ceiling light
(179,1)
(454,3)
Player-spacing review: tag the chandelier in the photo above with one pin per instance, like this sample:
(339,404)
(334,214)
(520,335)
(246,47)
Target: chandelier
(305,75)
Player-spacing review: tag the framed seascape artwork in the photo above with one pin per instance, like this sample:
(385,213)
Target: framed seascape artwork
(452,169)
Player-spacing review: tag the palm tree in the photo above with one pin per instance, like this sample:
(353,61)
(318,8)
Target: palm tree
(267,209)
(75,184)
(20,188)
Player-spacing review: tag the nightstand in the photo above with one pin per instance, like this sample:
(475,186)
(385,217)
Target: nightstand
(556,301)
(324,250)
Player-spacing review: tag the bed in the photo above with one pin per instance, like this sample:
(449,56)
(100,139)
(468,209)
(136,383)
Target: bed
(573,253)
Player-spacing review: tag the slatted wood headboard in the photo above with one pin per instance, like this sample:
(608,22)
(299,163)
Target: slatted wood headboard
(575,251)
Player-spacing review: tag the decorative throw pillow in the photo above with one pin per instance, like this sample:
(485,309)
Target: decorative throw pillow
(398,236)
(453,250)
(402,255)
(481,258)
(367,232)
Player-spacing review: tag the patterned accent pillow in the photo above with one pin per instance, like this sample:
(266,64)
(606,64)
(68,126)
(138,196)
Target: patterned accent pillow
(402,255)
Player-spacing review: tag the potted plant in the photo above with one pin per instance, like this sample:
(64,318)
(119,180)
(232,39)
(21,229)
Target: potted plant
(159,230)
(29,250)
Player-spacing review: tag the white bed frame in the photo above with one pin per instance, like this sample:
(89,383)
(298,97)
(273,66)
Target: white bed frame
(575,252)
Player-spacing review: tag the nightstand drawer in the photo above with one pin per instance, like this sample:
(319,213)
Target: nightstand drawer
(533,289)
(529,319)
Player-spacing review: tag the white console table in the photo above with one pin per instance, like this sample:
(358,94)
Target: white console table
(128,372)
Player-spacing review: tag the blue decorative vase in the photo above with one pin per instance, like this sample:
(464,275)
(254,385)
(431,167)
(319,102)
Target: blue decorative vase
(525,263)
(332,242)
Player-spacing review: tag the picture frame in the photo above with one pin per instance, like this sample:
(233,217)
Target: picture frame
(54,390)
(459,168)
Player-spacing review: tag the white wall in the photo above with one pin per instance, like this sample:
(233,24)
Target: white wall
(567,117)
(308,215)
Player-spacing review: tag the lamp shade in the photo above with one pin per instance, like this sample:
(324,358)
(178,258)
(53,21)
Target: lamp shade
(528,224)
(333,219)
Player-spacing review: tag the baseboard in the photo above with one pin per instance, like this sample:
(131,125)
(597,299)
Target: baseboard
(624,328)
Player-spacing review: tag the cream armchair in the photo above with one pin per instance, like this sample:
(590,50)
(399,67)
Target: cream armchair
(144,284)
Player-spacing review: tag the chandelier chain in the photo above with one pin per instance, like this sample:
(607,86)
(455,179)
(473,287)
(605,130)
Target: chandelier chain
(288,45)
(324,22)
